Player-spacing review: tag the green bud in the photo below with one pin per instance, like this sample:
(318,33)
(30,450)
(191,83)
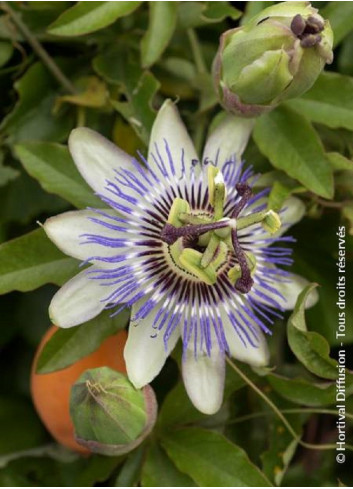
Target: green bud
(110,416)
(276,56)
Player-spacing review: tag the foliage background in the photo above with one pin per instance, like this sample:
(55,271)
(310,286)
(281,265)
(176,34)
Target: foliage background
(109,65)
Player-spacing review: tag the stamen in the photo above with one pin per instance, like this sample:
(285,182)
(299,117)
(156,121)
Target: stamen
(245,193)
(245,282)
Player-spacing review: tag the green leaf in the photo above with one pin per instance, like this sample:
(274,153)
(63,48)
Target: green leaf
(161,26)
(340,15)
(197,14)
(86,17)
(52,165)
(315,261)
(291,144)
(121,67)
(32,116)
(278,195)
(339,162)
(159,471)
(345,59)
(211,460)
(20,426)
(301,391)
(67,346)
(7,173)
(310,348)
(33,260)
(6,52)
(23,200)
(329,102)
(218,11)
(130,472)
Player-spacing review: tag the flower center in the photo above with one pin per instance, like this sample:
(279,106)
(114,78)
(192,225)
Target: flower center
(201,245)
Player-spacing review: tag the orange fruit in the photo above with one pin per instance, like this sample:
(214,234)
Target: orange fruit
(51,392)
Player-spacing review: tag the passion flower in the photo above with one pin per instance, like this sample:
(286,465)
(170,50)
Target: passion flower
(186,244)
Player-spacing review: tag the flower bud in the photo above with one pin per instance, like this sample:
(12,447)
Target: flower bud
(276,56)
(110,416)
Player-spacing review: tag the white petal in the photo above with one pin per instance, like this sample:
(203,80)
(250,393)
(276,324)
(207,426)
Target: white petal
(169,128)
(256,356)
(204,379)
(229,139)
(66,230)
(290,291)
(96,158)
(293,212)
(78,301)
(145,355)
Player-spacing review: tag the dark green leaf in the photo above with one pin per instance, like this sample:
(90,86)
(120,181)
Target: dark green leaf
(23,200)
(85,17)
(139,87)
(32,117)
(67,346)
(7,173)
(138,111)
(6,52)
(311,349)
(301,391)
(20,427)
(33,260)
(292,145)
(196,14)
(339,162)
(129,474)
(162,22)
(159,471)
(345,59)
(340,15)
(52,165)
(329,102)
(211,460)
(252,9)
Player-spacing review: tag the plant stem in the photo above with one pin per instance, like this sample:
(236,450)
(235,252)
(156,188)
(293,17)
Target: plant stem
(196,51)
(260,414)
(330,446)
(38,49)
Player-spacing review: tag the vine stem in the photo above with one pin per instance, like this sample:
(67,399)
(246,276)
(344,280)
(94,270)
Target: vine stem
(196,51)
(260,414)
(329,446)
(38,49)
